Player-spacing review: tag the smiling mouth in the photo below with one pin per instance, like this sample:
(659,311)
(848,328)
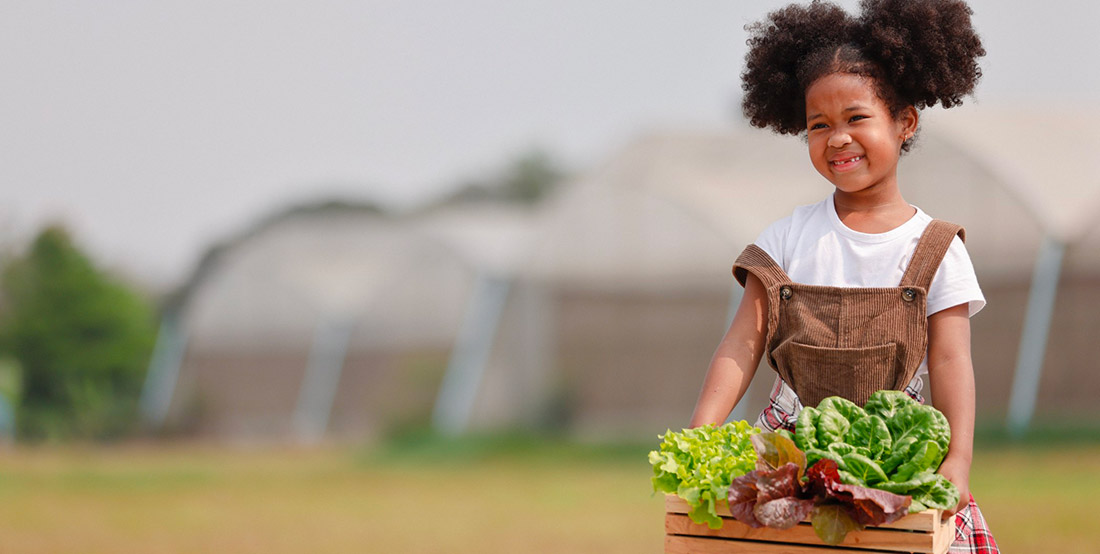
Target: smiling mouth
(846,162)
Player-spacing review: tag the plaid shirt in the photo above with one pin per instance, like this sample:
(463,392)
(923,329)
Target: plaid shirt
(972,535)
(783,408)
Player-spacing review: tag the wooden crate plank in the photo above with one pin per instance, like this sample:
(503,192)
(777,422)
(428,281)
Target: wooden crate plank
(928,520)
(876,539)
(678,544)
(945,537)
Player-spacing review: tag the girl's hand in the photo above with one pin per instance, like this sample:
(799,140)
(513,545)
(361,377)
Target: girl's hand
(957,472)
(951,374)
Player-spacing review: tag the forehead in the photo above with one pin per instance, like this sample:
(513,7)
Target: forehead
(838,91)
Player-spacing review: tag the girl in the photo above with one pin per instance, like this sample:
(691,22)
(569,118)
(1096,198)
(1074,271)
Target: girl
(861,291)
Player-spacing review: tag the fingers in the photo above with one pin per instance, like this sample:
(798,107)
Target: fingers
(964,499)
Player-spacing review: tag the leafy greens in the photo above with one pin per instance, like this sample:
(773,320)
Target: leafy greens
(699,464)
(892,443)
(775,496)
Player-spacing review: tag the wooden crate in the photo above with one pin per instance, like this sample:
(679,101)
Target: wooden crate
(921,532)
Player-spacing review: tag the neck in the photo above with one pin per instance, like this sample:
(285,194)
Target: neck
(872,213)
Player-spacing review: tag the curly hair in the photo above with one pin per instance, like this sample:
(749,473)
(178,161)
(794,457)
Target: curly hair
(917,52)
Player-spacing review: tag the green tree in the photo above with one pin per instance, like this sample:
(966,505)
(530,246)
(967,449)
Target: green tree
(531,177)
(527,179)
(81,339)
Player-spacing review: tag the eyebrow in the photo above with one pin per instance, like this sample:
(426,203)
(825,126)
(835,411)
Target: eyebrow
(854,108)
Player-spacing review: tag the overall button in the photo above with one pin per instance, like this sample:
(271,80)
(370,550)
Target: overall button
(908,295)
(785,292)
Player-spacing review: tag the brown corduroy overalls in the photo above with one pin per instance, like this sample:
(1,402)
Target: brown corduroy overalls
(848,341)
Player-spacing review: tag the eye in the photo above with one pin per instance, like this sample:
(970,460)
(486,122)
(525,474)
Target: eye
(857,117)
(817,126)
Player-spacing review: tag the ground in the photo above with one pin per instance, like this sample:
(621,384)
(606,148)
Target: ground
(431,496)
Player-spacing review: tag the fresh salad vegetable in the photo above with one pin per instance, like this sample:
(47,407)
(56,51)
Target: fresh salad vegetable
(699,464)
(844,467)
(892,444)
(782,491)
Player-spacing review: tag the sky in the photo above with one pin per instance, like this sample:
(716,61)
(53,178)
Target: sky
(153,129)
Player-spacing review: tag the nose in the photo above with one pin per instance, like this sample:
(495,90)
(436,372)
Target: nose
(839,139)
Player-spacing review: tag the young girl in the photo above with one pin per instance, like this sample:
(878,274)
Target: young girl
(861,291)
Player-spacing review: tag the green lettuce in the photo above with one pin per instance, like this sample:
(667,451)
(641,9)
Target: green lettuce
(699,464)
(805,429)
(871,433)
(850,410)
(885,402)
(866,470)
(892,443)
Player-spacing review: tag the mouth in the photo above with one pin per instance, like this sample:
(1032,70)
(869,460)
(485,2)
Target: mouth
(846,163)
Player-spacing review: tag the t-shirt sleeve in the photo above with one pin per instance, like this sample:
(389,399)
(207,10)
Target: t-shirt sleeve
(773,240)
(955,282)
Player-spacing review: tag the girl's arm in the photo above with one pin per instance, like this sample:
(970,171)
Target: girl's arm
(735,360)
(951,374)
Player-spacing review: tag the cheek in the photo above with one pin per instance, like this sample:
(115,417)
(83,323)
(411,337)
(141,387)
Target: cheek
(817,159)
(886,147)
(816,148)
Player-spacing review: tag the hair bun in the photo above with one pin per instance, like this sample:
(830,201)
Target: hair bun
(928,49)
(776,46)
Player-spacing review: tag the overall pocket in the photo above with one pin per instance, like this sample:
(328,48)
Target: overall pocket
(817,372)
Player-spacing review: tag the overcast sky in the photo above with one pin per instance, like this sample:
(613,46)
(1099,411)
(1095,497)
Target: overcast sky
(154,128)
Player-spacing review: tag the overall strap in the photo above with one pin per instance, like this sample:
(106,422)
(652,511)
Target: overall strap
(931,248)
(756,261)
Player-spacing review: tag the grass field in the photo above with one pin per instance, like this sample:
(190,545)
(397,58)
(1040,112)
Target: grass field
(425,495)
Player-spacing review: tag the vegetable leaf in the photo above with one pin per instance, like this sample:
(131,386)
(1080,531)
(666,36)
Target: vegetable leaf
(775,498)
(814,454)
(899,455)
(865,505)
(922,456)
(884,403)
(742,499)
(863,468)
(699,464)
(893,444)
(783,513)
(831,427)
(922,422)
(841,448)
(905,487)
(939,493)
(774,451)
(779,500)
(872,433)
(832,523)
(842,406)
(805,429)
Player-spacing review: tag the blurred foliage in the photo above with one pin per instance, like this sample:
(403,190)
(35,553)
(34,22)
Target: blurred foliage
(80,339)
(424,446)
(526,180)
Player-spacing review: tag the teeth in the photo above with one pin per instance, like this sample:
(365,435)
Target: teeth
(849,160)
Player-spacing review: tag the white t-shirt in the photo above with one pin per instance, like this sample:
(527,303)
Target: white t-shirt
(814,247)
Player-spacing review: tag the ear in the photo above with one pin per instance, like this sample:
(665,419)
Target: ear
(907,122)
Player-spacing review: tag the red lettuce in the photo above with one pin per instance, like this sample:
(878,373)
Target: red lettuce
(865,505)
(770,498)
(776,495)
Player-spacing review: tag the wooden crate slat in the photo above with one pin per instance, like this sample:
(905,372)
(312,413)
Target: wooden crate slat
(945,536)
(923,532)
(928,520)
(875,539)
(682,544)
